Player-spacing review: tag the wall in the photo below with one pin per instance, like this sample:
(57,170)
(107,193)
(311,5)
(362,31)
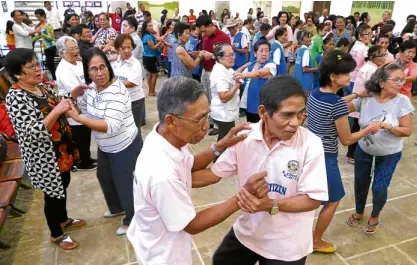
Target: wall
(4,17)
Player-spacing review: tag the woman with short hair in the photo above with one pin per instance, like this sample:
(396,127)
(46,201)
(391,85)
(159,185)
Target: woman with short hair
(108,113)
(129,70)
(106,35)
(45,139)
(384,148)
(224,105)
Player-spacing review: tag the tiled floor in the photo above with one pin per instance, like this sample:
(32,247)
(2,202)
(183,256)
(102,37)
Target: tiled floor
(394,243)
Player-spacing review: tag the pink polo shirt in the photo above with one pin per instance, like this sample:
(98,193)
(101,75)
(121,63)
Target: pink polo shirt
(409,70)
(359,51)
(162,200)
(294,167)
(364,75)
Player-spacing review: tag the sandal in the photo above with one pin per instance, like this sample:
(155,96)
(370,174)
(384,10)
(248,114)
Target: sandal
(369,225)
(352,220)
(331,248)
(73,223)
(65,242)
(350,160)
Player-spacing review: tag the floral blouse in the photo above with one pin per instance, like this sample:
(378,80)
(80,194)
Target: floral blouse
(46,153)
(104,35)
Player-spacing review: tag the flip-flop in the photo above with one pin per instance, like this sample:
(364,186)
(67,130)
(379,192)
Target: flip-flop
(371,225)
(65,242)
(330,249)
(352,218)
(73,223)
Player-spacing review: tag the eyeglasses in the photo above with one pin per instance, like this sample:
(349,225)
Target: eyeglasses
(398,81)
(34,65)
(230,55)
(94,70)
(199,122)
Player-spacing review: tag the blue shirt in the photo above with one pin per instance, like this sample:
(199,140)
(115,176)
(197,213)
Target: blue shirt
(192,46)
(147,51)
(323,109)
(171,52)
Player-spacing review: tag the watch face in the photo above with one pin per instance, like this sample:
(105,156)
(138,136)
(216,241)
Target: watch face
(274,211)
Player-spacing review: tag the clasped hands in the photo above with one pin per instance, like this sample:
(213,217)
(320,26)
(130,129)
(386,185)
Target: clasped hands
(253,196)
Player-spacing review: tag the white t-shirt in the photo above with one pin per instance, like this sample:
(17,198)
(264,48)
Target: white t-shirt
(221,80)
(130,70)
(244,100)
(163,206)
(306,57)
(68,76)
(21,36)
(247,33)
(276,57)
(112,105)
(295,167)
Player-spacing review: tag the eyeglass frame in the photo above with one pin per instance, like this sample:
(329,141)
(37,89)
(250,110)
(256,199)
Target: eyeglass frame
(102,68)
(401,81)
(33,67)
(200,121)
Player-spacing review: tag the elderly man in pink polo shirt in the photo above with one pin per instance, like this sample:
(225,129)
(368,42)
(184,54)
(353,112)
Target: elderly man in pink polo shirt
(165,218)
(293,157)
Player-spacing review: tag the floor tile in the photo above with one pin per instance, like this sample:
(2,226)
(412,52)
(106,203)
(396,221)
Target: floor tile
(410,248)
(324,259)
(389,256)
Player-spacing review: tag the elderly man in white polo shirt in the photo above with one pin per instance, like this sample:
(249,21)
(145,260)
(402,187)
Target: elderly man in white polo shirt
(165,218)
(70,74)
(293,158)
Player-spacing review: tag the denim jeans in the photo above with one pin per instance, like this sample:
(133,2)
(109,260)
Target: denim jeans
(383,171)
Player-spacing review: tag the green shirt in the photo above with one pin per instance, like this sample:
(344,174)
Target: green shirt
(316,48)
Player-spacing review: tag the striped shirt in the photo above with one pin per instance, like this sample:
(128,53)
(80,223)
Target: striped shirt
(323,109)
(113,105)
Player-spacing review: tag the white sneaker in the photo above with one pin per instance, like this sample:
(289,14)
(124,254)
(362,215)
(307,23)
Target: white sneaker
(108,214)
(121,230)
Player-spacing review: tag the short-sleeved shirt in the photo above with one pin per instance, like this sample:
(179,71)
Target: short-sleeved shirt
(316,48)
(409,70)
(104,36)
(295,167)
(221,80)
(68,76)
(271,35)
(147,51)
(337,37)
(171,51)
(243,41)
(364,75)
(130,70)
(323,109)
(383,142)
(209,43)
(116,21)
(191,19)
(112,105)
(358,52)
(162,200)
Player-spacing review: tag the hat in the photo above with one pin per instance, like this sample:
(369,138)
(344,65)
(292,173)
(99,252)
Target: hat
(231,23)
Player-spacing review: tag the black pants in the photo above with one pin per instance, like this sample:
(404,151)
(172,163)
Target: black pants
(50,60)
(232,252)
(115,175)
(354,127)
(56,209)
(224,128)
(252,117)
(82,138)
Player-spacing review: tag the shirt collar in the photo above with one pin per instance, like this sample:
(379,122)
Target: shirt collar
(129,61)
(258,135)
(169,149)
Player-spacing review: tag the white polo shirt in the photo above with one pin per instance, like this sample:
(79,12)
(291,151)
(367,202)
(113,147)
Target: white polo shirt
(112,105)
(294,167)
(221,80)
(163,206)
(68,76)
(130,70)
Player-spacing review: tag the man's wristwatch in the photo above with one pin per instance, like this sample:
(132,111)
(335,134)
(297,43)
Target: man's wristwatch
(274,209)
(214,151)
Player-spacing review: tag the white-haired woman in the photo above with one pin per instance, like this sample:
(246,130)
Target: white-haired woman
(70,74)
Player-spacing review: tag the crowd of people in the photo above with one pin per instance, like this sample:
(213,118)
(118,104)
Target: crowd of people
(303,85)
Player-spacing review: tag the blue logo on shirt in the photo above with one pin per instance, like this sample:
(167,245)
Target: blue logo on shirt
(277,188)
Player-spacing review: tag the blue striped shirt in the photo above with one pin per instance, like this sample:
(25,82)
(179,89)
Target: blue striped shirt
(323,109)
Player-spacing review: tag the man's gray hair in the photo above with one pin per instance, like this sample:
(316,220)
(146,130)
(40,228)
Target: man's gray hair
(176,93)
(60,44)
